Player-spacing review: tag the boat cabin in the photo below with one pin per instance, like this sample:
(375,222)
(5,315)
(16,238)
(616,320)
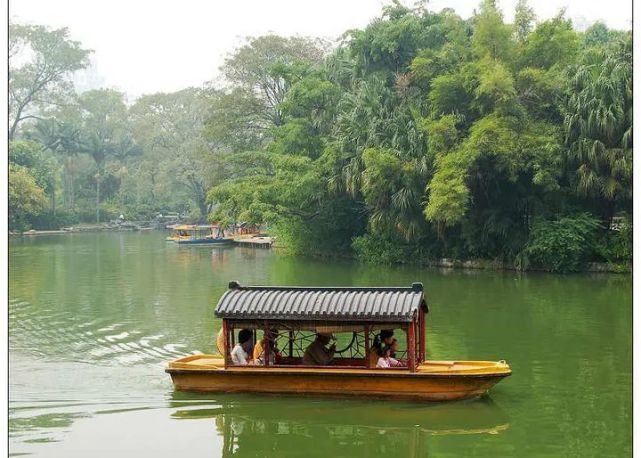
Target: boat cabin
(291,318)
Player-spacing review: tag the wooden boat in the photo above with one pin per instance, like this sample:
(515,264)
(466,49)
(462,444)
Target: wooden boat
(206,241)
(180,232)
(298,315)
(198,235)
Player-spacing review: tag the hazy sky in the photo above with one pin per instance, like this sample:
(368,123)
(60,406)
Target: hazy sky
(144,46)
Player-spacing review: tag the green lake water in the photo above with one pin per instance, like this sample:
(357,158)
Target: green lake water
(93,319)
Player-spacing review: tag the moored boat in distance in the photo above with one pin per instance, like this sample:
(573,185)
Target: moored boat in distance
(297,325)
(198,235)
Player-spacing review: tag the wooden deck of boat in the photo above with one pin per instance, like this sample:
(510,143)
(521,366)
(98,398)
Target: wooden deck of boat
(435,368)
(432,381)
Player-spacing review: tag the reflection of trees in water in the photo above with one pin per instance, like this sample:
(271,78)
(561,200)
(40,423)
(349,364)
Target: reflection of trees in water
(284,426)
(220,256)
(244,436)
(26,429)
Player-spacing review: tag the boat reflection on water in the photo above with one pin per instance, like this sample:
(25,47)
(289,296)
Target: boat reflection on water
(252,425)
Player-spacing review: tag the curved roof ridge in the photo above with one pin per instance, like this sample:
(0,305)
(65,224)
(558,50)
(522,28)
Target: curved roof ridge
(328,303)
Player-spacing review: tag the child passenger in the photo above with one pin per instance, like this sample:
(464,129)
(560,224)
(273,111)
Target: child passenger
(240,353)
(385,359)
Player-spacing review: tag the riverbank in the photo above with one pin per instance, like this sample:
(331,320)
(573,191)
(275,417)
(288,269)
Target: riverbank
(475,264)
(106,227)
(595,267)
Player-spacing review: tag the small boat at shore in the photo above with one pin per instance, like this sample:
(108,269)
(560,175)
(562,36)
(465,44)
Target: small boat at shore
(291,318)
(198,235)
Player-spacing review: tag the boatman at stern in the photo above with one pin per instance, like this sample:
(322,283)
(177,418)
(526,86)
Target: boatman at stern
(316,354)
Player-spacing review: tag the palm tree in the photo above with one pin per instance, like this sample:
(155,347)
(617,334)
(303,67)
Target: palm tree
(378,119)
(598,124)
(63,139)
(102,147)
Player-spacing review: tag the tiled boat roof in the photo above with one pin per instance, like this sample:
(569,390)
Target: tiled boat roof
(320,304)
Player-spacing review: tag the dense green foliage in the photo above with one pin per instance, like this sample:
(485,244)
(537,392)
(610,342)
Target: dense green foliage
(563,244)
(420,137)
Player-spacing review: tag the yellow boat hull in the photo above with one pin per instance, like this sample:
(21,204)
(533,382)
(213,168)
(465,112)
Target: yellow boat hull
(432,381)
(175,238)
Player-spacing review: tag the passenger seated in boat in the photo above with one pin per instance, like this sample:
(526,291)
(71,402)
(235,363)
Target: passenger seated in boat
(385,337)
(240,353)
(316,354)
(269,339)
(386,359)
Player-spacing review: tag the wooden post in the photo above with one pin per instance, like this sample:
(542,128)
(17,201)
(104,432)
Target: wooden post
(421,336)
(226,334)
(266,345)
(367,362)
(411,346)
(291,344)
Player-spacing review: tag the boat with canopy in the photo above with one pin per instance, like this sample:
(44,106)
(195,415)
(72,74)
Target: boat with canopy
(290,319)
(186,234)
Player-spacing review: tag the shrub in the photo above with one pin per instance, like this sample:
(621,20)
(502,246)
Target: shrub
(378,249)
(616,246)
(46,220)
(562,245)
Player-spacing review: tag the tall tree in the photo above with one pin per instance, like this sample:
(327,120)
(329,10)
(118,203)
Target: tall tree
(32,156)
(259,74)
(41,62)
(168,127)
(491,35)
(598,126)
(63,139)
(553,41)
(524,17)
(25,196)
(104,131)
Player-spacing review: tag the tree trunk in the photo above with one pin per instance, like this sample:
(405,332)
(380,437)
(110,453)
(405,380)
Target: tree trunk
(202,207)
(153,187)
(72,190)
(14,126)
(65,189)
(98,198)
(610,207)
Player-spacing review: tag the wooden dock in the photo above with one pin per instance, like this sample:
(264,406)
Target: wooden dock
(255,242)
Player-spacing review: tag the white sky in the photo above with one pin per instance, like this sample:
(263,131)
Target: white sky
(145,46)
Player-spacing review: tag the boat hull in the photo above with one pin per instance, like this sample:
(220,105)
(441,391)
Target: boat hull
(426,385)
(209,241)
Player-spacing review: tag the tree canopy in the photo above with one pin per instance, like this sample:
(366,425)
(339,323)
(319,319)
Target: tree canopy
(423,135)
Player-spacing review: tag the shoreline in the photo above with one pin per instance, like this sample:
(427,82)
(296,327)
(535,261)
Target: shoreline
(78,229)
(486,264)
(483,264)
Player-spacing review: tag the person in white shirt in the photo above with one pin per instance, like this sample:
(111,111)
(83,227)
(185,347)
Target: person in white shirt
(385,359)
(241,351)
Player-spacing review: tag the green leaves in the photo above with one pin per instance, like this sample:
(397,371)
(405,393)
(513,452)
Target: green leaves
(553,42)
(25,198)
(448,194)
(598,124)
(41,63)
(392,187)
(422,133)
(562,245)
(492,38)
